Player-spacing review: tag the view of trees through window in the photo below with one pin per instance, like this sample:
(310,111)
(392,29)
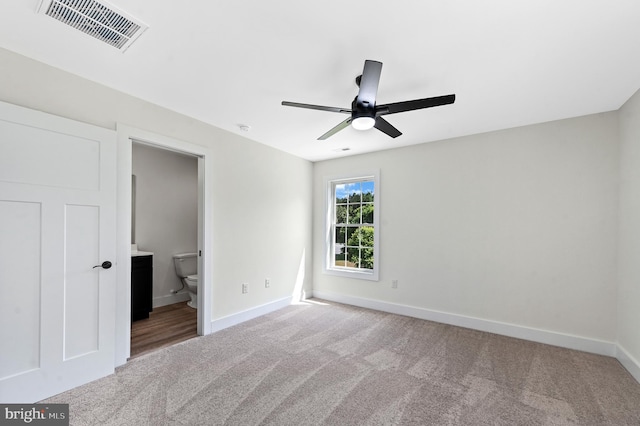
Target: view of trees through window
(353,224)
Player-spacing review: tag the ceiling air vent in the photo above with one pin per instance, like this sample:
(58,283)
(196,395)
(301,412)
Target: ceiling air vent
(98,19)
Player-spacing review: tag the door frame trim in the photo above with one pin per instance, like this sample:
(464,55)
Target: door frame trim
(126,134)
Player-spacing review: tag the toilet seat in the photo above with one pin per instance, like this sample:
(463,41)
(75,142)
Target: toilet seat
(192,277)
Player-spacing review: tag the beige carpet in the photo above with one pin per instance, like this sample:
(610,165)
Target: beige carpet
(340,365)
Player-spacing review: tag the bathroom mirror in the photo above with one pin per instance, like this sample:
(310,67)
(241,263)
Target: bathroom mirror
(133,209)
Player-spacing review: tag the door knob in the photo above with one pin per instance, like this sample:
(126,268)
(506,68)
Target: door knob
(105,265)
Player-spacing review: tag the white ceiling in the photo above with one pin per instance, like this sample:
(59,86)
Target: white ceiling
(510,63)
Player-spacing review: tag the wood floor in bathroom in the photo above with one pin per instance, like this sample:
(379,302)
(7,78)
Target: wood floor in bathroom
(166,326)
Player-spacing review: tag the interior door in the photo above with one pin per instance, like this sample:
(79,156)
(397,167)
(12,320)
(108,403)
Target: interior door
(57,223)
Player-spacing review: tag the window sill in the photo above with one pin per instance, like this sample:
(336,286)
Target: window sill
(370,276)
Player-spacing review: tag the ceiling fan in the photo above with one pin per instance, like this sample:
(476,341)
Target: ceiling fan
(365,114)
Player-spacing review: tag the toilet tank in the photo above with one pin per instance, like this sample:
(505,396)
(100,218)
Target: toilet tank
(186,264)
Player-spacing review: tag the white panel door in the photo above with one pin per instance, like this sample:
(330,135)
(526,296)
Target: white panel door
(57,221)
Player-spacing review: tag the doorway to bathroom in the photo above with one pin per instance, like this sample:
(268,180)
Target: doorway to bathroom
(127,136)
(164,227)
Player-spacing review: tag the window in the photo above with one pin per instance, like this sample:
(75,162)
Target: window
(352,220)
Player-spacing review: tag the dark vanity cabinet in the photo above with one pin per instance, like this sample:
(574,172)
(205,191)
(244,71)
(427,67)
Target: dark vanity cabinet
(141,286)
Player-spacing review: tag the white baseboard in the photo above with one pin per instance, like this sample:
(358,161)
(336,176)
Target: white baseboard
(630,363)
(240,317)
(170,299)
(526,333)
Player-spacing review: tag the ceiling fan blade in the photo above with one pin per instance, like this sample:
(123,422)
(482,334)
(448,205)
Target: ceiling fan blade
(415,104)
(318,107)
(369,84)
(386,127)
(336,129)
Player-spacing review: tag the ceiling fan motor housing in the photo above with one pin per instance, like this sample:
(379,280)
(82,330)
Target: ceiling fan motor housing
(362,109)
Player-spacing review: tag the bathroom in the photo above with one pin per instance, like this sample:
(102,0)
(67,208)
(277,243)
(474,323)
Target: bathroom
(165,223)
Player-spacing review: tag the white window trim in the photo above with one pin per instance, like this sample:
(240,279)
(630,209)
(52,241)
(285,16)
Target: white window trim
(328,209)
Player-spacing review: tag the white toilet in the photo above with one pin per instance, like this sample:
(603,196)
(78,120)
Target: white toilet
(186,265)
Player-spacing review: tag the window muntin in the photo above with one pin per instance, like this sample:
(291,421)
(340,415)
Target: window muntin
(352,234)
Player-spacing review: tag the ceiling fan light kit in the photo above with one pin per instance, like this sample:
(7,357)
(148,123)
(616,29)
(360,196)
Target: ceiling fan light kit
(363,123)
(364,112)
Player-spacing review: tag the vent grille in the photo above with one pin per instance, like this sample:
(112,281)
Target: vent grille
(95,19)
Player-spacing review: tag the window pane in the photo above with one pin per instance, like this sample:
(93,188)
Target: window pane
(355,190)
(366,261)
(366,236)
(341,193)
(353,257)
(340,260)
(354,213)
(367,191)
(341,236)
(353,237)
(341,213)
(367,213)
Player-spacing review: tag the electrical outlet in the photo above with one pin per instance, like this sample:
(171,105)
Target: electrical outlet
(394,283)
(245,288)
(267,283)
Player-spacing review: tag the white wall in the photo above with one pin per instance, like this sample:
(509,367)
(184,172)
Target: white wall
(166,213)
(629,237)
(257,191)
(262,220)
(516,227)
